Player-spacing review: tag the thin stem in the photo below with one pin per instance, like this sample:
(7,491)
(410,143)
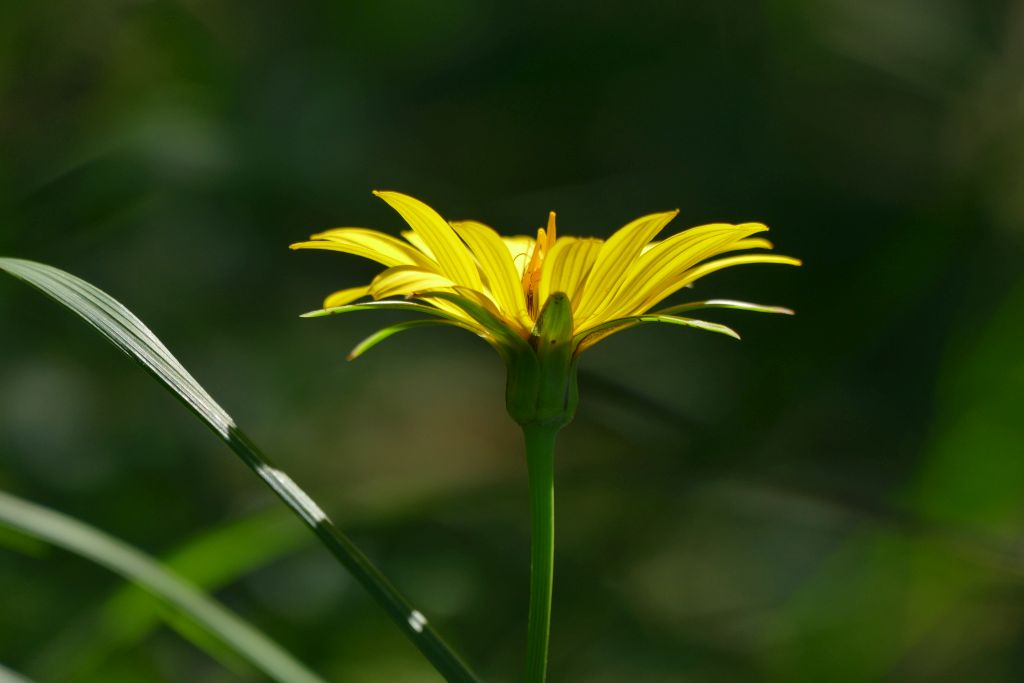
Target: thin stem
(540,451)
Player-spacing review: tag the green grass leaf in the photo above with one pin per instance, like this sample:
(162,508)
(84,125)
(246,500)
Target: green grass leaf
(8,676)
(82,539)
(123,329)
(209,561)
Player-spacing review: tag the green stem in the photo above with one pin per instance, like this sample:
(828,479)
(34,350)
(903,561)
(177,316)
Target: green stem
(540,451)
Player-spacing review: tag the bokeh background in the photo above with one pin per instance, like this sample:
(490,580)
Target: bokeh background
(840,497)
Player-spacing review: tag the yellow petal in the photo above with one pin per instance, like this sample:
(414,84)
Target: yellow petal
(753,243)
(663,265)
(370,244)
(615,257)
(519,246)
(345,296)
(718,264)
(405,280)
(703,269)
(453,258)
(688,247)
(567,266)
(415,240)
(496,264)
(483,315)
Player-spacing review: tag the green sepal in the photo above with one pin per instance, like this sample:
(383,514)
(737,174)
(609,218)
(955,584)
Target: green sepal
(506,341)
(619,324)
(542,390)
(724,303)
(382,334)
(385,305)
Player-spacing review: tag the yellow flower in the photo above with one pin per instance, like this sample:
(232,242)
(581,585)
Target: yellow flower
(539,302)
(465,274)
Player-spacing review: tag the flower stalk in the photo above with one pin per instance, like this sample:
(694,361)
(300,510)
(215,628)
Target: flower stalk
(540,458)
(542,396)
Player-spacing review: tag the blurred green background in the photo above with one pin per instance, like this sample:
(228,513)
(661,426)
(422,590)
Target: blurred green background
(840,497)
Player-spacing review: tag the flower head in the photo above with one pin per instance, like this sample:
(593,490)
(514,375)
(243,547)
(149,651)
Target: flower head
(539,302)
(463,273)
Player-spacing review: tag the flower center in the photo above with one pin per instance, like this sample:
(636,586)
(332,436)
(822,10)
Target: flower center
(534,269)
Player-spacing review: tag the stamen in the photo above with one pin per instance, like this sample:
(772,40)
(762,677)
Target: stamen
(533,270)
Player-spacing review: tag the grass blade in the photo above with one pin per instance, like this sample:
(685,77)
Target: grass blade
(82,539)
(209,561)
(123,329)
(8,676)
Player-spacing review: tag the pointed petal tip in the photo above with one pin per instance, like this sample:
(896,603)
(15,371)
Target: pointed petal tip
(314,242)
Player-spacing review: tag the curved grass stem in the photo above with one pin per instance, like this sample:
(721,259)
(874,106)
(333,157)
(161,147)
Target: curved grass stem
(125,331)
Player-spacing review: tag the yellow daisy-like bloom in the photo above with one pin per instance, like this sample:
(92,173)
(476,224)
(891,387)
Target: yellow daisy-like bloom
(539,302)
(464,273)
